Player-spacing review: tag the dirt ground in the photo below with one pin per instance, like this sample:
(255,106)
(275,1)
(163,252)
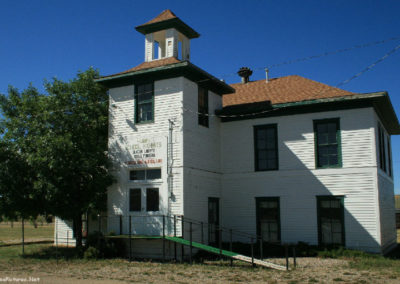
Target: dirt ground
(309,270)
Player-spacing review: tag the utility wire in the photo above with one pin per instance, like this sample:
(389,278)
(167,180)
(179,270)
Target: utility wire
(369,67)
(284,63)
(327,53)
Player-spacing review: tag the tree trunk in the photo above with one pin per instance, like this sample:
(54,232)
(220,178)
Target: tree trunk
(77,227)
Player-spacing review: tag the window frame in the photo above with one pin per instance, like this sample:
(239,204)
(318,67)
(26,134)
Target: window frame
(319,229)
(203,112)
(256,162)
(145,174)
(258,227)
(130,199)
(136,97)
(147,199)
(389,152)
(338,139)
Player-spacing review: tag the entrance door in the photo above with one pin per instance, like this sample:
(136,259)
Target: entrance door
(144,207)
(330,212)
(213,220)
(268,219)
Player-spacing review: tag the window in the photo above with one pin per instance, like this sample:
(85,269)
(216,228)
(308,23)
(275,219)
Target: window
(268,218)
(266,147)
(152,199)
(145,174)
(135,199)
(389,151)
(144,103)
(382,150)
(327,143)
(203,106)
(330,212)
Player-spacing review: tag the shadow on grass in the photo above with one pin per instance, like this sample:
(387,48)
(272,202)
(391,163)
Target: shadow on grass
(53,253)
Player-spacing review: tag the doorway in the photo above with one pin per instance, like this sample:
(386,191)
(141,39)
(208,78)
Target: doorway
(213,220)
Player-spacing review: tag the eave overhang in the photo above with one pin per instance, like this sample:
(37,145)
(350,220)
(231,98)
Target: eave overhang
(380,101)
(184,68)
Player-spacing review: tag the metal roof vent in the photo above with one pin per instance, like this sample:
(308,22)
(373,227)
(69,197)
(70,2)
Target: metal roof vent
(245,73)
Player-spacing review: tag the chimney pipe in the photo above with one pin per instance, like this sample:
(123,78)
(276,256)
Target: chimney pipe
(245,73)
(266,75)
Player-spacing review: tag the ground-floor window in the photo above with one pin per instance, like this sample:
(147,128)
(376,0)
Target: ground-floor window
(268,218)
(330,220)
(148,196)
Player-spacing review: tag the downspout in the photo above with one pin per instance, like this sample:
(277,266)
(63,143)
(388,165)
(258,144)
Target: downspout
(170,162)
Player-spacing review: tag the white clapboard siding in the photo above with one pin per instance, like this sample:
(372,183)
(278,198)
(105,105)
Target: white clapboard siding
(123,131)
(63,233)
(387,211)
(218,161)
(298,182)
(201,156)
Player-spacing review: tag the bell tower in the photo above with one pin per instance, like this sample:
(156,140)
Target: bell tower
(167,36)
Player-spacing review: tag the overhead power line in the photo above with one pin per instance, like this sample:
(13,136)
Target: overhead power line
(369,67)
(323,54)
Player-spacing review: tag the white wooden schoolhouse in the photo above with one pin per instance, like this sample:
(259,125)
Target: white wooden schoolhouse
(289,159)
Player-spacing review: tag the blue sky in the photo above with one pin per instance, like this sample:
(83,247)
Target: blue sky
(45,39)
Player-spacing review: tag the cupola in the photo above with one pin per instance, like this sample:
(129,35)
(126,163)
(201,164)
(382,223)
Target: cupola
(167,36)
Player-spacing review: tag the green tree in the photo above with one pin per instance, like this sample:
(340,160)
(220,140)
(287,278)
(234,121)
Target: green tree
(18,198)
(63,137)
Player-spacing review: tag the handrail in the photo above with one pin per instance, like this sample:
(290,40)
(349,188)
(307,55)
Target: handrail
(193,221)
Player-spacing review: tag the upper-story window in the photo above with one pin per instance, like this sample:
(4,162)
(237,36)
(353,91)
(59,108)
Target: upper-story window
(327,143)
(266,147)
(382,148)
(203,106)
(144,103)
(389,151)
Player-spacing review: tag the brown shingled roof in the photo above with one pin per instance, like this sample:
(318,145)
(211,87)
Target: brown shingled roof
(281,90)
(150,64)
(163,16)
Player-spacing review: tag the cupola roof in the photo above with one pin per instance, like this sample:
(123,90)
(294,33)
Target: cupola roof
(166,20)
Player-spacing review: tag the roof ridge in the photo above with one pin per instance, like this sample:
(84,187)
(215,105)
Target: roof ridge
(163,16)
(290,88)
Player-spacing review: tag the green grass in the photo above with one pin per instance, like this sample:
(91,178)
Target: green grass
(15,252)
(42,259)
(8,233)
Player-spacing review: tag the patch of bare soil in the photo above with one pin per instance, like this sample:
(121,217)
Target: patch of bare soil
(309,270)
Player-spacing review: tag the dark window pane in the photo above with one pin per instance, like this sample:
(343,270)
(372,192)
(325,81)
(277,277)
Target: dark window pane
(327,143)
(137,175)
(152,199)
(144,103)
(146,111)
(331,220)
(266,152)
(333,160)
(203,106)
(262,154)
(153,174)
(271,164)
(389,151)
(262,165)
(268,219)
(323,161)
(135,199)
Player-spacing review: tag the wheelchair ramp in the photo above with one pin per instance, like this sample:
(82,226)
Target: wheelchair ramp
(226,253)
